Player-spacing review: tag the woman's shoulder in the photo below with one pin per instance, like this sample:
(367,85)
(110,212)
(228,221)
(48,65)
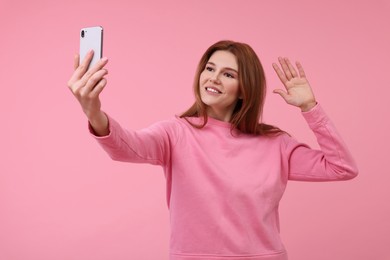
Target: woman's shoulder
(173,125)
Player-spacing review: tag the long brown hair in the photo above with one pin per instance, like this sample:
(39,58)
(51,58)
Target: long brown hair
(247,113)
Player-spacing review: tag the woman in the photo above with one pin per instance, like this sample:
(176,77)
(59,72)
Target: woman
(226,171)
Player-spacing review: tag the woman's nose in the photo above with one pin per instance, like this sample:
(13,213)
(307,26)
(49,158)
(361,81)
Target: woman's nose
(214,79)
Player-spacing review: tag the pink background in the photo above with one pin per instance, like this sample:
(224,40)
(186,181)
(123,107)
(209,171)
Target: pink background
(61,197)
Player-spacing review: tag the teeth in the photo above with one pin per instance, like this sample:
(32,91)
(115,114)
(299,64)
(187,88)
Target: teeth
(212,90)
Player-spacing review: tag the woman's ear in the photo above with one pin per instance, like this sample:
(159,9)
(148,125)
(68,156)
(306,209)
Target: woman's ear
(240,96)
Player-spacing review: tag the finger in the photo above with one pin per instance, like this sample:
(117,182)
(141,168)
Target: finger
(285,68)
(280,73)
(76,61)
(291,68)
(76,84)
(86,61)
(300,69)
(98,88)
(98,66)
(73,78)
(282,93)
(81,68)
(94,80)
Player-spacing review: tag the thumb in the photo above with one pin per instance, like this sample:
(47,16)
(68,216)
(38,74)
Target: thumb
(282,93)
(76,61)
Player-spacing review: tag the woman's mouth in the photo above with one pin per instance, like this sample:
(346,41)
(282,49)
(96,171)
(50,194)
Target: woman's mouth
(213,90)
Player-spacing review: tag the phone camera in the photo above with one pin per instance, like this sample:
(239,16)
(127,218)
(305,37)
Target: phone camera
(82,33)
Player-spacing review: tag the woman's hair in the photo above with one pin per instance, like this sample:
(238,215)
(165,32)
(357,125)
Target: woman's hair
(247,113)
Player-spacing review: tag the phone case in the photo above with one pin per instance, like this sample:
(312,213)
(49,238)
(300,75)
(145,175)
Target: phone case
(91,38)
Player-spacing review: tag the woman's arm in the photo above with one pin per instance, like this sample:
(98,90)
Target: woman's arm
(86,86)
(333,161)
(149,145)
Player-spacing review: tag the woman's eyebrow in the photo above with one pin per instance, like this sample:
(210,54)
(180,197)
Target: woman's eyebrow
(226,68)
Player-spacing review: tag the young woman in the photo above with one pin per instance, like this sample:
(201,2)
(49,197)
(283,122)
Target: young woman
(226,171)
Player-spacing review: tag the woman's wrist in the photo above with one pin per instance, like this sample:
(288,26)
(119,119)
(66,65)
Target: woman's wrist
(99,123)
(306,107)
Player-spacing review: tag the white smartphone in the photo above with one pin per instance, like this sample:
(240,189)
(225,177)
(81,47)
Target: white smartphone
(91,38)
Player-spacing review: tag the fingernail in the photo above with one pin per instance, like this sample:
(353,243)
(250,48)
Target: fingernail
(104,59)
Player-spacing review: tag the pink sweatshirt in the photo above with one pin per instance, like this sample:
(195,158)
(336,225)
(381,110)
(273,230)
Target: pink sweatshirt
(223,190)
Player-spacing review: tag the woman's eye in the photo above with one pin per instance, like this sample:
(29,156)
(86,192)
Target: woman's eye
(229,75)
(209,68)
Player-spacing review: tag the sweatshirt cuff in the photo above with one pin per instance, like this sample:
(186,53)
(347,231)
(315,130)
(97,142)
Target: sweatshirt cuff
(316,116)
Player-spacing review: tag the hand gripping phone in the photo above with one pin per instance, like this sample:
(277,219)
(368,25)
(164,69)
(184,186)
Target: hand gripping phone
(91,38)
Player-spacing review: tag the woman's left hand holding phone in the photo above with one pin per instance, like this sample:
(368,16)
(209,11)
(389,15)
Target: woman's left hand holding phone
(86,85)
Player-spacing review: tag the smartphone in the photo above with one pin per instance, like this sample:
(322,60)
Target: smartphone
(91,38)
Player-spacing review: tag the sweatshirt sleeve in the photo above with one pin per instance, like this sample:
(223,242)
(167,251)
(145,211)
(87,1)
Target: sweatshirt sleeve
(331,163)
(149,145)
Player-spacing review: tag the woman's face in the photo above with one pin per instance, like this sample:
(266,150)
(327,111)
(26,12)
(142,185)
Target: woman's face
(219,85)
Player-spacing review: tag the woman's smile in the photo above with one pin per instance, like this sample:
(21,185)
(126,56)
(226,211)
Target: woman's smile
(213,90)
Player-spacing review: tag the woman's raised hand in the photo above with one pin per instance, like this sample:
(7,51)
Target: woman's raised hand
(86,85)
(297,89)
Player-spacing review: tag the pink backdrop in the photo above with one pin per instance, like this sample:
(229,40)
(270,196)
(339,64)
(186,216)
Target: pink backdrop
(62,198)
